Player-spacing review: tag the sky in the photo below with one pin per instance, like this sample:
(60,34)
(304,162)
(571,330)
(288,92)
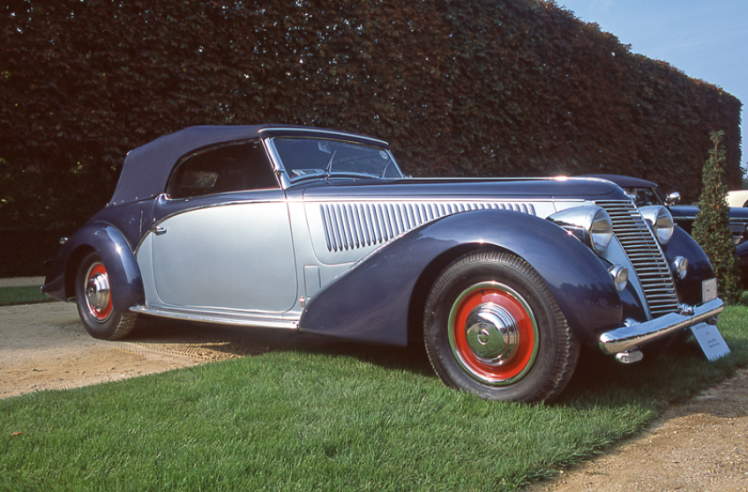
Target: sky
(704,39)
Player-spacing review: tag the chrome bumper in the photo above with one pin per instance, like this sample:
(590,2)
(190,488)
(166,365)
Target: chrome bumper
(629,337)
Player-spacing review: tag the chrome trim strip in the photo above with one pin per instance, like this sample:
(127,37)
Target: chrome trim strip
(276,162)
(322,132)
(201,206)
(216,317)
(629,337)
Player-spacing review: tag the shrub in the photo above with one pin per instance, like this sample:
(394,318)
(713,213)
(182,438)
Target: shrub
(712,226)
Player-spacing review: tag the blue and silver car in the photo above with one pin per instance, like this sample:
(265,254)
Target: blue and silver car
(317,230)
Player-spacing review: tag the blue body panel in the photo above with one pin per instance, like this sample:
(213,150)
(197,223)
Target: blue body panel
(699,267)
(372,301)
(115,251)
(489,188)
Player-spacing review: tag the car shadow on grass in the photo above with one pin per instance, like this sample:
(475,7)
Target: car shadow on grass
(226,342)
(676,375)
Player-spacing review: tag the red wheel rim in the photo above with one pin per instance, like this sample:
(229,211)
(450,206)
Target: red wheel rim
(96,289)
(492,295)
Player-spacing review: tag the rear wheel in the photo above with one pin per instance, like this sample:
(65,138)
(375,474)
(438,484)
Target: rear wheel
(492,328)
(94,300)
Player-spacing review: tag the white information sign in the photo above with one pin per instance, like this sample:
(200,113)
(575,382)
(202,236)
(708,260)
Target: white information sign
(711,341)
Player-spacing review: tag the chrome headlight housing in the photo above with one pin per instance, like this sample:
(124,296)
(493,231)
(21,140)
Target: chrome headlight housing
(660,220)
(620,276)
(591,225)
(680,267)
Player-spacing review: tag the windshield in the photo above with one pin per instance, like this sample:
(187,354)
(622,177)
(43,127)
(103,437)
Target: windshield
(305,157)
(646,196)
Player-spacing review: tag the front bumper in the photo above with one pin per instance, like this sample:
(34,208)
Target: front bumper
(630,337)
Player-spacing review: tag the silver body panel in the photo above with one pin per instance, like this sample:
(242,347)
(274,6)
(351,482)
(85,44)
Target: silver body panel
(345,231)
(228,263)
(230,273)
(255,263)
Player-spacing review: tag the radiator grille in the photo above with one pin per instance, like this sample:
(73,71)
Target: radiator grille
(645,255)
(358,225)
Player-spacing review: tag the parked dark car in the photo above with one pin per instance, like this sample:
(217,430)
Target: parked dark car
(319,231)
(647,192)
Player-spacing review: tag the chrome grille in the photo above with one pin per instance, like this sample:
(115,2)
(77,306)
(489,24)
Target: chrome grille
(358,225)
(645,255)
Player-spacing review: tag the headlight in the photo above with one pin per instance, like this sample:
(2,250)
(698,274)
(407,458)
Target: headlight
(620,275)
(680,267)
(661,221)
(591,225)
(601,230)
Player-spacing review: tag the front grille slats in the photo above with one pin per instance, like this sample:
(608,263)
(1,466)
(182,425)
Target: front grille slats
(645,255)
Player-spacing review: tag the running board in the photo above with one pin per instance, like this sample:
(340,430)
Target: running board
(222,318)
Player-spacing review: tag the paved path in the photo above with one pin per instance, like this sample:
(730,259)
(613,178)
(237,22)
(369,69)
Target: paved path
(21,281)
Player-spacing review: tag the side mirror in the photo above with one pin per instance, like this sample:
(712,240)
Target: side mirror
(673,198)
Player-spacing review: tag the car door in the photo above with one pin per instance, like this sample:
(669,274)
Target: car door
(223,238)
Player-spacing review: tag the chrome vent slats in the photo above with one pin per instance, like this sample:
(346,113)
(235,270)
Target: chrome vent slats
(354,225)
(645,255)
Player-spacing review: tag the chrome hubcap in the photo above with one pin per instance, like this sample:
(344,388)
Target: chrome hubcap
(97,291)
(492,334)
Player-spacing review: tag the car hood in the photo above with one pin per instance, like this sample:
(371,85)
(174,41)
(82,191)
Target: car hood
(690,211)
(465,188)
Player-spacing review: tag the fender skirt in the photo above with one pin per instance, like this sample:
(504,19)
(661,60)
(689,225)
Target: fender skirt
(125,282)
(371,301)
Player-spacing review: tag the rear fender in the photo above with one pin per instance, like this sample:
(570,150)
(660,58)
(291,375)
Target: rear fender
(371,302)
(125,281)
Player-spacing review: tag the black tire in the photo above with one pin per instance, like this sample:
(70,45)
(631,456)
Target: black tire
(492,328)
(94,301)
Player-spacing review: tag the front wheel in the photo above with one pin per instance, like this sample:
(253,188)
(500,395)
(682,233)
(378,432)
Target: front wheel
(94,300)
(492,328)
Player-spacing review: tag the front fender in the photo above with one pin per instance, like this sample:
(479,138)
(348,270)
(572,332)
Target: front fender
(371,301)
(125,280)
(699,267)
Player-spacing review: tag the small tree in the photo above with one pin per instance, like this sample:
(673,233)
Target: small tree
(712,226)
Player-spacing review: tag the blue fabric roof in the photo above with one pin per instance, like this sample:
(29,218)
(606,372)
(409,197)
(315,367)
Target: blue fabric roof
(147,168)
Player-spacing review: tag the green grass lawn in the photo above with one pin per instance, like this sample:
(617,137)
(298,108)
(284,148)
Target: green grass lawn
(22,295)
(343,417)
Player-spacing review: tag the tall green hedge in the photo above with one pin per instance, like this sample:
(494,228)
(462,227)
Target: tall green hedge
(458,88)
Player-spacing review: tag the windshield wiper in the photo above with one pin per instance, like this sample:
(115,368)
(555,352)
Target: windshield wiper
(328,167)
(386,166)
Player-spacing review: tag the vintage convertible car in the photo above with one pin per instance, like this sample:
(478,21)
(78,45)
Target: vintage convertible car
(318,230)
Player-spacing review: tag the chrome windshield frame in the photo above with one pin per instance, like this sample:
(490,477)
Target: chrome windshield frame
(286,181)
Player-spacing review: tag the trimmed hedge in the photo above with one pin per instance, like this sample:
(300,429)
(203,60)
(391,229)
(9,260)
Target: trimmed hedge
(24,251)
(458,88)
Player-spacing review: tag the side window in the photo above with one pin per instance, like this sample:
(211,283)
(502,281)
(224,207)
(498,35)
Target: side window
(222,169)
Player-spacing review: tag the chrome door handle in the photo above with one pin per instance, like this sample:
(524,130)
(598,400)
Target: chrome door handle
(159,231)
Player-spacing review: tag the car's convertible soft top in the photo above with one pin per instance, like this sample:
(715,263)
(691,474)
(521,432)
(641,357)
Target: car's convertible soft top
(147,168)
